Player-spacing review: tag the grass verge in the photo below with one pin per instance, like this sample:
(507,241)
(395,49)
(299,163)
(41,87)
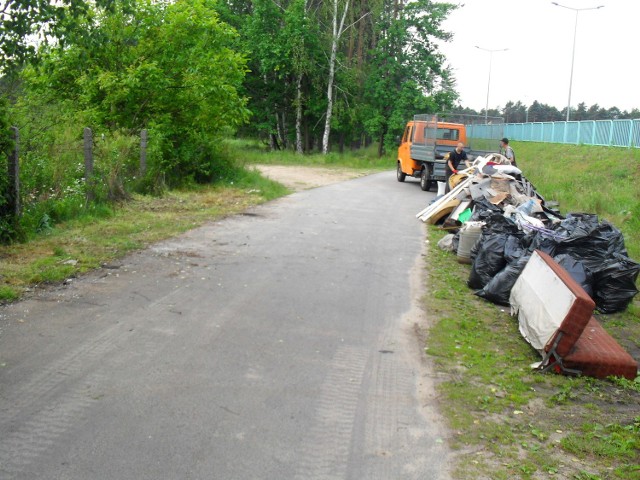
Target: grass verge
(85,243)
(253,152)
(508,422)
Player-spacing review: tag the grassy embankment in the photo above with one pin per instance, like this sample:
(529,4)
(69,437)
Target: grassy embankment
(508,422)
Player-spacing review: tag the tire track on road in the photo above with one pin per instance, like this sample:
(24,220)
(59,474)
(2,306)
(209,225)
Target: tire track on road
(40,410)
(324,454)
(32,438)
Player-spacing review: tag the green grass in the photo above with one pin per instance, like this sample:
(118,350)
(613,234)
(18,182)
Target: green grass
(253,152)
(601,180)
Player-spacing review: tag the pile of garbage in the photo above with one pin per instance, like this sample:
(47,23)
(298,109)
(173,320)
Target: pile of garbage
(498,220)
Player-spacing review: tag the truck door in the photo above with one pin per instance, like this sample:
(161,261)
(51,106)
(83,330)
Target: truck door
(404,150)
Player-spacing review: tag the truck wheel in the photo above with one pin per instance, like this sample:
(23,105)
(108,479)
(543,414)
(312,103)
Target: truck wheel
(425,183)
(400,175)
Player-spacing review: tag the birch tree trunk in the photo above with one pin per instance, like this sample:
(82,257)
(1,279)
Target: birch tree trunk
(338,29)
(299,146)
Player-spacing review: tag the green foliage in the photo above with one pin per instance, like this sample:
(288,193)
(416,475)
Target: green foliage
(388,68)
(405,64)
(119,67)
(8,293)
(21,21)
(9,228)
(168,68)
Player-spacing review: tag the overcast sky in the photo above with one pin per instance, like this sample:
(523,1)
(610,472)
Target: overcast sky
(537,64)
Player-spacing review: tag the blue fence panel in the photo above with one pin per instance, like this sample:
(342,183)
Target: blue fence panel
(536,132)
(602,132)
(635,134)
(615,133)
(621,133)
(547,131)
(572,132)
(559,132)
(587,130)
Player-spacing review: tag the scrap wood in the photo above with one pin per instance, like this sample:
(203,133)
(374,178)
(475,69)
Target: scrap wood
(499,198)
(500,183)
(442,200)
(434,217)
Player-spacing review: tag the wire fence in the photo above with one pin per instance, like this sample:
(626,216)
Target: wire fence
(609,133)
(44,181)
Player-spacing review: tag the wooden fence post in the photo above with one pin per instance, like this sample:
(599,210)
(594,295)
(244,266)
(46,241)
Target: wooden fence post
(88,163)
(143,152)
(13,194)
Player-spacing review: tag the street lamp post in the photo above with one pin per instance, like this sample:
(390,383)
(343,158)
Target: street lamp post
(486,108)
(573,52)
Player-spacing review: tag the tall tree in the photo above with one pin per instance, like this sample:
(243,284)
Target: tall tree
(407,73)
(338,17)
(25,23)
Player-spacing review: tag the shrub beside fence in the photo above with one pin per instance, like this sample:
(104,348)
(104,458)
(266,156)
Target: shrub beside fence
(610,133)
(12,194)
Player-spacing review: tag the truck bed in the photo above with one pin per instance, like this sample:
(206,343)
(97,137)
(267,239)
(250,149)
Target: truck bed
(422,153)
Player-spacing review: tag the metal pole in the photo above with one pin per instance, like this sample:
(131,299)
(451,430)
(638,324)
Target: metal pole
(573,51)
(486,105)
(486,108)
(573,58)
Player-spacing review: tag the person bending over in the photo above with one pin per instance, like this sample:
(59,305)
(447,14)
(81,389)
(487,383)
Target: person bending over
(455,157)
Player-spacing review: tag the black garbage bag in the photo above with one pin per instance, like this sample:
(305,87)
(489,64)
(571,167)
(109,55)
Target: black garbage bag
(577,270)
(615,284)
(495,223)
(590,241)
(514,248)
(489,259)
(615,239)
(583,237)
(483,209)
(499,287)
(578,225)
(498,223)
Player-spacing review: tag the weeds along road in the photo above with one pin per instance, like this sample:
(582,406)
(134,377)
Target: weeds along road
(278,344)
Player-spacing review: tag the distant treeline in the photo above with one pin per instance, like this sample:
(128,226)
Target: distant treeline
(518,112)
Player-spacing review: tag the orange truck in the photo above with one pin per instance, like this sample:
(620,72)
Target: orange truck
(423,148)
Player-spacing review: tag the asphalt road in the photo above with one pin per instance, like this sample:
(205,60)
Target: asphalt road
(278,344)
